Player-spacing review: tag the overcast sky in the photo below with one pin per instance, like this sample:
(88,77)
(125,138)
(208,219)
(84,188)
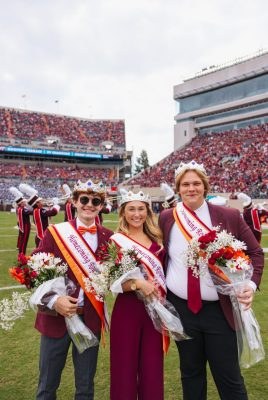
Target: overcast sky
(120,59)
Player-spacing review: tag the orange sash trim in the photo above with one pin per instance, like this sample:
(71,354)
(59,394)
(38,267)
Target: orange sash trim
(20,219)
(187,236)
(38,223)
(72,262)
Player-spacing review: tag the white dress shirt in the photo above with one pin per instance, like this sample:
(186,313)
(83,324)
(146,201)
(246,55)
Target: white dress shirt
(177,270)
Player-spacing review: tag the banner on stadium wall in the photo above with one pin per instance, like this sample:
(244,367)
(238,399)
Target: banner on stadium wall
(47,152)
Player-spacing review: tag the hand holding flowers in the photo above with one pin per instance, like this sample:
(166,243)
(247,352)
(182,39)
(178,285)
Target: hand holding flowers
(118,266)
(220,253)
(46,274)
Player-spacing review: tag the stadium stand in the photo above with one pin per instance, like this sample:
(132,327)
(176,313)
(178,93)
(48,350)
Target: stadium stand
(24,127)
(48,179)
(237,160)
(48,150)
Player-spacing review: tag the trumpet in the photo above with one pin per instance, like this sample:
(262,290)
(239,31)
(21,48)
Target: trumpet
(55,200)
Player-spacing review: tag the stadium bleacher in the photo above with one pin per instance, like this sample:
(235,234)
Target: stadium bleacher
(236,160)
(34,126)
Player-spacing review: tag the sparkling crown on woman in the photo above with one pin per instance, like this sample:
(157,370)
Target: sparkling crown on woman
(127,196)
(187,166)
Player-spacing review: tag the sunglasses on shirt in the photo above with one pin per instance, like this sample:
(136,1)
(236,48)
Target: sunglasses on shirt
(85,200)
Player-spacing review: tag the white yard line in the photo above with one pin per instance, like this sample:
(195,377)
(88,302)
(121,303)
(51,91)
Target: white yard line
(2,251)
(13,287)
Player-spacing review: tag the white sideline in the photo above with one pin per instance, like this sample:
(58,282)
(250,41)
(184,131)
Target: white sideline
(13,287)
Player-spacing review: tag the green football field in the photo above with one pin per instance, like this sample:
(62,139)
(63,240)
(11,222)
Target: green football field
(19,347)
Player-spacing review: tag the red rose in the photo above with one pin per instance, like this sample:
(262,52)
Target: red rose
(228,254)
(218,253)
(208,237)
(33,274)
(22,259)
(211,261)
(202,246)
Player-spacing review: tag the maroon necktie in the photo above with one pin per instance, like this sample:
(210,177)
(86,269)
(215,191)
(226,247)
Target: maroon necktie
(193,290)
(194,293)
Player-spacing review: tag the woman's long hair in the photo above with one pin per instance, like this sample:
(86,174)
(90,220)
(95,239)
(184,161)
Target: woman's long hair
(150,227)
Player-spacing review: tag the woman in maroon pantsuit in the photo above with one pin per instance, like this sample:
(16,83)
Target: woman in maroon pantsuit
(136,346)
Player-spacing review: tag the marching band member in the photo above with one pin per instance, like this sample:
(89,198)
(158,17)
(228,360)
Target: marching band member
(106,209)
(40,213)
(252,215)
(206,314)
(170,198)
(136,346)
(23,217)
(76,242)
(69,208)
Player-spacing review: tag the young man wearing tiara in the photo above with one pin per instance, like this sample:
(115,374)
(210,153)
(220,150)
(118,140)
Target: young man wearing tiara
(206,314)
(76,242)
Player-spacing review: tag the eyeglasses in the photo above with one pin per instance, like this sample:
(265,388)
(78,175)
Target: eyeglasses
(85,200)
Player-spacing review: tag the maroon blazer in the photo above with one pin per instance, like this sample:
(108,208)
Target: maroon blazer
(230,220)
(54,326)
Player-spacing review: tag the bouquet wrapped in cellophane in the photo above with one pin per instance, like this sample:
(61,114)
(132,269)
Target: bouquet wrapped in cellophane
(119,265)
(46,274)
(220,253)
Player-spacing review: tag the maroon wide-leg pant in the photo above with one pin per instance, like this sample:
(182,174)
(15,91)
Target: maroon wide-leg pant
(136,352)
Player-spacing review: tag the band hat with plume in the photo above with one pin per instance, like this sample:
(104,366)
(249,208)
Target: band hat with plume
(30,191)
(18,196)
(169,193)
(66,189)
(89,186)
(246,199)
(261,206)
(127,196)
(192,165)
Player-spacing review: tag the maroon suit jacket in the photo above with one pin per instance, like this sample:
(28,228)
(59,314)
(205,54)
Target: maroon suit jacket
(230,220)
(54,326)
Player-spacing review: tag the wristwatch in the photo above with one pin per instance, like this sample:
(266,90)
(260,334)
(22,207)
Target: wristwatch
(133,285)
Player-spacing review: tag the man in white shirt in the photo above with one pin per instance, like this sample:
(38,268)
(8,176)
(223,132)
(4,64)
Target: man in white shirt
(206,314)
(76,242)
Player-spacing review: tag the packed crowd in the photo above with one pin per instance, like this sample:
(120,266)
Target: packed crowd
(48,179)
(237,160)
(30,126)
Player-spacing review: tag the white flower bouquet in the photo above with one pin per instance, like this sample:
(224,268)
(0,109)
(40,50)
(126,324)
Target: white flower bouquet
(120,265)
(220,253)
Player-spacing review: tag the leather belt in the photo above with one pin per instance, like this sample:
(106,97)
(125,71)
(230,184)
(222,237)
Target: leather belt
(80,310)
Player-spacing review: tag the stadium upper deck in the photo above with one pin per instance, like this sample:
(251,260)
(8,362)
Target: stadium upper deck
(221,98)
(20,127)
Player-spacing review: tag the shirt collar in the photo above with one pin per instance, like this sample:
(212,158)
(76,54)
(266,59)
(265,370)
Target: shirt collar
(202,208)
(80,223)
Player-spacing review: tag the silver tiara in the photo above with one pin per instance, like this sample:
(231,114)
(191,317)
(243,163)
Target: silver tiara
(191,165)
(130,196)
